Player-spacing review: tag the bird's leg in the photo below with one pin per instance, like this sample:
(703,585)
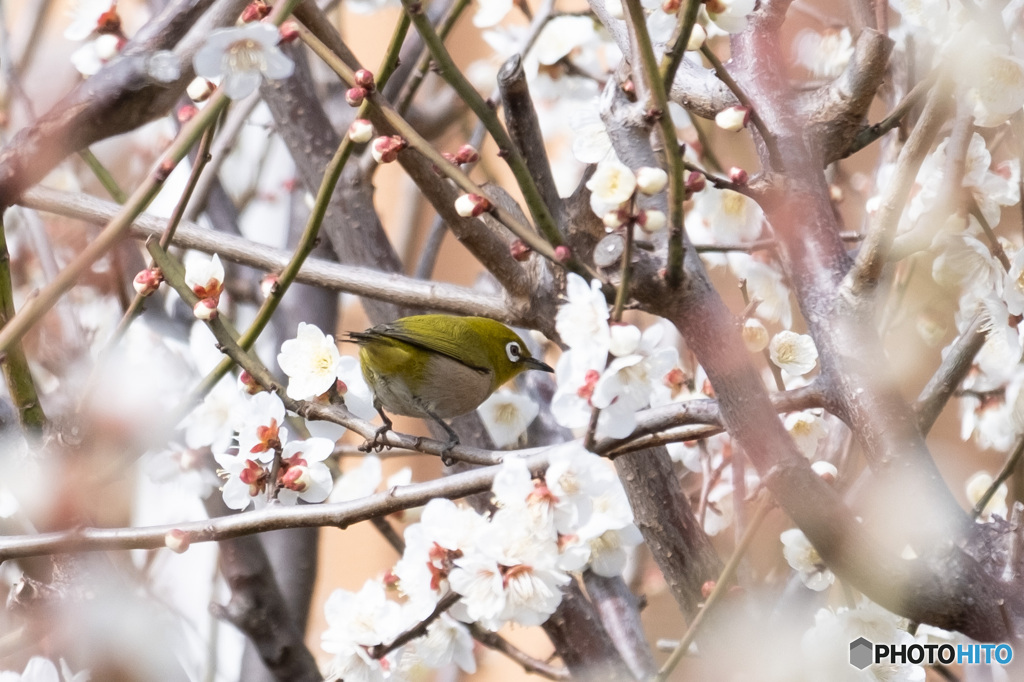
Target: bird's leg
(453,439)
(378,444)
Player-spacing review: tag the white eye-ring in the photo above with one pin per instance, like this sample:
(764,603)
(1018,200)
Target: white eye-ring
(512,350)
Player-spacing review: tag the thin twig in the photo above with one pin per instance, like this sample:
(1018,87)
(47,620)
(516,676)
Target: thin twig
(722,586)
(1008,466)
(658,110)
(755,118)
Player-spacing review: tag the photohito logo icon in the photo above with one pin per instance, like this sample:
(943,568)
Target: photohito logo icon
(860,653)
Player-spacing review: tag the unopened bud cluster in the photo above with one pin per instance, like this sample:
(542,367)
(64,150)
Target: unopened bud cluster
(613,189)
(364,85)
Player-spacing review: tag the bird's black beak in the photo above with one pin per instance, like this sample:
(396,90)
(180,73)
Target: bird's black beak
(534,363)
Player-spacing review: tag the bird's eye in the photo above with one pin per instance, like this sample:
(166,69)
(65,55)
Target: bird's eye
(513,351)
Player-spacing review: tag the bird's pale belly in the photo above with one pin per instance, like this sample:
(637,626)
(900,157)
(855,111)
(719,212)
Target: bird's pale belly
(454,389)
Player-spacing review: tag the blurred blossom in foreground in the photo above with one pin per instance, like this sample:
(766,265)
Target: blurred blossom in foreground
(243,56)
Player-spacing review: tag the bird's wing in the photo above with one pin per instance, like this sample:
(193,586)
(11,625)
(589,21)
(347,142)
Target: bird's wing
(448,337)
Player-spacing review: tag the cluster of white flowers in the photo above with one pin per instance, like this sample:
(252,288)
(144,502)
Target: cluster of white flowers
(633,380)
(613,187)
(262,437)
(507,567)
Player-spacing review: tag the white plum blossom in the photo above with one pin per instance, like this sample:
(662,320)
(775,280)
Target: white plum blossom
(1013,285)
(611,185)
(629,381)
(303,474)
(243,56)
(582,322)
(365,618)
(805,560)
(976,487)
(966,264)
(356,620)
(214,422)
(85,17)
(310,361)
(445,532)
(506,416)
(806,429)
(204,276)
(730,15)
(590,142)
(262,431)
(560,36)
(512,576)
(577,373)
(992,79)
(794,353)
(826,54)
(825,649)
(725,216)
(447,642)
(360,481)
(490,12)
(991,189)
(625,339)
(91,56)
(609,533)
(575,477)
(755,335)
(245,481)
(353,388)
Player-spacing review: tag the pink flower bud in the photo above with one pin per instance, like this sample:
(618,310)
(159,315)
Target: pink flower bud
(296,478)
(255,11)
(386,147)
(176,540)
(364,79)
(268,285)
(738,176)
(472,205)
(586,390)
(562,253)
(671,6)
(733,118)
(520,251)
(205,309)
(355,96)
(695,182)
(289,32)
(467,154)
(148,281)
(360,131)
(248,384)
(187,113)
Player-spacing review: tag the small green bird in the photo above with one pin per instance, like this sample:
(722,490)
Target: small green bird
(439,366)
